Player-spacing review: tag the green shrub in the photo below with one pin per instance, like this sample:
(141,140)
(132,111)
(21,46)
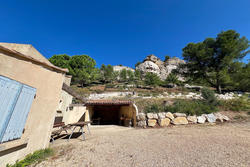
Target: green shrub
(33,158)
(237,104)
(209,96)
(195,107)
(154,108)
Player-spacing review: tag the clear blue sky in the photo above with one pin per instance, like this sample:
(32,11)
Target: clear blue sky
(119,31)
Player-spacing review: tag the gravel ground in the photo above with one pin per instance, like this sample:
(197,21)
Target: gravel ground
(192,145)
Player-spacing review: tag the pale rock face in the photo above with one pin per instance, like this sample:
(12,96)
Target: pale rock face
(180,121)
(192,119)
(153,64)
(152,122)
(201,119)
(211,118)
(164,122)
(180,115)
(120,68)
(149,66)
(170,115)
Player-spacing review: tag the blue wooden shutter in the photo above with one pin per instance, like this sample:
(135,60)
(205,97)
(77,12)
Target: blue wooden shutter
(9,91)
(20,113)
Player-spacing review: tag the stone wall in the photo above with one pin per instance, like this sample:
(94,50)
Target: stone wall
(166,118)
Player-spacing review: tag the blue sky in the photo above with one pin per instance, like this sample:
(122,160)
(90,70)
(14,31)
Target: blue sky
(119,31)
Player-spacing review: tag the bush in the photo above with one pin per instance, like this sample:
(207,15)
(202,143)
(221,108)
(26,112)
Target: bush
(209,96)
(36,157)
(154,108)
(152,79)
(196,107)
(237,104)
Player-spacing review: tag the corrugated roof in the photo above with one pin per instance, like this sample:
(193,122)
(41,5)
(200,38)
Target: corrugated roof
(109,102)
(30,53)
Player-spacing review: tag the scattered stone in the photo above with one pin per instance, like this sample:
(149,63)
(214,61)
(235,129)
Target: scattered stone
(164,122)
(180,121)
(192,119)
(201,119)
(180,115)
(142,123)
(161,115)
(150,115)
(211,118)
(170,115)
(152,122)
(141,117)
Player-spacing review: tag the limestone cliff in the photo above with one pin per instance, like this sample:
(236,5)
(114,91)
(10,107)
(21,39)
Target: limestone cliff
(153,64)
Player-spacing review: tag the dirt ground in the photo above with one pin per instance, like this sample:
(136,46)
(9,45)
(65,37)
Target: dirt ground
(225,144)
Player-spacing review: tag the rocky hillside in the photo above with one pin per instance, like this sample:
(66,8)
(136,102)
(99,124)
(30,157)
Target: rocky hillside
(153,64)
(120,68)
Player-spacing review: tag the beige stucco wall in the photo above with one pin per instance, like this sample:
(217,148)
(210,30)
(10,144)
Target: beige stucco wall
(65,101)
(41,116)
(129,112)
(75,113)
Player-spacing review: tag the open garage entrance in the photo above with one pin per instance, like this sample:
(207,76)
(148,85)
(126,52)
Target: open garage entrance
(112,112)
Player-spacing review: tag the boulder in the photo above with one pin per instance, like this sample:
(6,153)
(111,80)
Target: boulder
(141,117)
(220,117)
(192,119)
(211,118)
(152,122)
(226,118)
(180,121)
(150,115)
(164,122)
(170,115)
(180,115)
(201,119)
(161,115)
(142,123)
(155,116)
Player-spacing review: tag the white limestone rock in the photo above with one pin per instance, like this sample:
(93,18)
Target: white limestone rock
(201,119)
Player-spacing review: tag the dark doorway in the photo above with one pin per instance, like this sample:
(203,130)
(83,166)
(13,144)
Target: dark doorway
(106,114)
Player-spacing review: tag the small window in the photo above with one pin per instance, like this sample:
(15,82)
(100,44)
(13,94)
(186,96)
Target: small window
(15,102)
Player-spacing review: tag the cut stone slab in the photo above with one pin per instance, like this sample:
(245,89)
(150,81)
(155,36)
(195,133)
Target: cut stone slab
(155,116)
(211,118)
(170,115)
(180,121)
(161,115)
(142,123)
(152,122)
(164,122)
(192,119)
(201,119)
(141,117)
(180,114)
(150,115)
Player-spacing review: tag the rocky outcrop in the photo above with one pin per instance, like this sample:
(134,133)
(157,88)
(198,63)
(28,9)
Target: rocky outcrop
(120,68)
(154,65)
